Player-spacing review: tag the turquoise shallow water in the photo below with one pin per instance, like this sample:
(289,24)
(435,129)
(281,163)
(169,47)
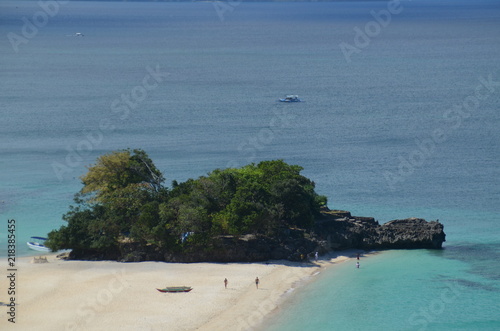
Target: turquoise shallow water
(451,289)
(217,107)
(395,290)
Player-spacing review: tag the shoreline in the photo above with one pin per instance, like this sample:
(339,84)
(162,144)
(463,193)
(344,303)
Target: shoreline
(92,295)
(250,314)
(334,259)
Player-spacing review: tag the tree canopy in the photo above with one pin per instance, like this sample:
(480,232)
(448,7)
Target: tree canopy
(123,199)
(120,170)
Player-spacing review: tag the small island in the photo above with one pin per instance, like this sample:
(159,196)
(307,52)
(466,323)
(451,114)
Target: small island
(258,212)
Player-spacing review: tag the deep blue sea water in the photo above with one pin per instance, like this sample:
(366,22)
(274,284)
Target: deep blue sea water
(407,127)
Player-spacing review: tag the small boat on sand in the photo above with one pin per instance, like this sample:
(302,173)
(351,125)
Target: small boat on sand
(36,243)
(175,289)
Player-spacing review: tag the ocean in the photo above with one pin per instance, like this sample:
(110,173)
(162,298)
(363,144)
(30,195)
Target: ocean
(400,119)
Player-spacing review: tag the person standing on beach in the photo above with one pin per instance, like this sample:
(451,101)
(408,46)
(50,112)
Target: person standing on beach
(225,282)
(316,256)
(257,282)
(357,265)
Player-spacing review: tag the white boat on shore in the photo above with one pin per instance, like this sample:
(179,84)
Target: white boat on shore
(37,244)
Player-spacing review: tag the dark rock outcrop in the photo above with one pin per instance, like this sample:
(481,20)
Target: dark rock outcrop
(366,233)
(292,244)
(334,230)
(407,233)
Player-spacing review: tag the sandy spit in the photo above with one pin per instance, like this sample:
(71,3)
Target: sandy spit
(105,295)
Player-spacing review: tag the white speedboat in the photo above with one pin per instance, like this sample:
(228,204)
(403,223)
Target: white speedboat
(36,243)
(291,98)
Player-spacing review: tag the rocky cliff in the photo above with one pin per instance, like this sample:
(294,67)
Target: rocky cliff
(340,230)
(335,230)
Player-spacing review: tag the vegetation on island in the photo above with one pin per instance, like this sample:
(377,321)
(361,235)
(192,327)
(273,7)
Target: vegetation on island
(124,200)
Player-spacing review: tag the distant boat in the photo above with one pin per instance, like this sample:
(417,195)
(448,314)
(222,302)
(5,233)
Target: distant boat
(37,244)
(291,98)
(76,34)
(175,289)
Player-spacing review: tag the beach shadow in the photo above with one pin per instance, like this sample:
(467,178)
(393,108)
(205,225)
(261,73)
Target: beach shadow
(311,263)
(288,263)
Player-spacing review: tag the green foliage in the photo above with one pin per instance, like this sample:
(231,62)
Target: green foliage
(123,198)
(120,170)
(86,229)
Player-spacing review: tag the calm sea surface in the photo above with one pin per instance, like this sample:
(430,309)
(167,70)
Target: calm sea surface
(400,119)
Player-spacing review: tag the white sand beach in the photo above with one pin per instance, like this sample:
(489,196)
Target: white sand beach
(85,295)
